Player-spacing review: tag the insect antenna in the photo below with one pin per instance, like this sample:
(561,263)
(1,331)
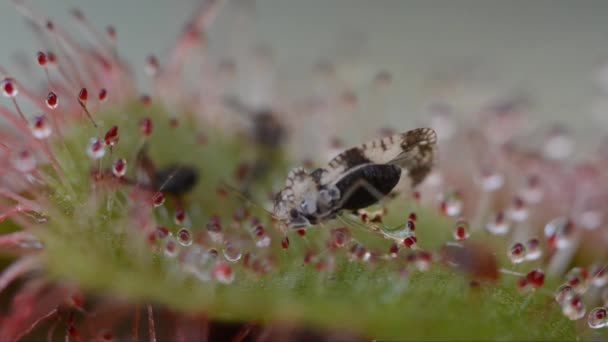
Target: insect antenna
(242,196)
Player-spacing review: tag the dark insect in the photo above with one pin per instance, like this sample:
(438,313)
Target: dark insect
(175,179)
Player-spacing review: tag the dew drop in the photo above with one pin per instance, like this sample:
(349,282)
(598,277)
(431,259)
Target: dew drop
(52,101)
(560,230)
(9,88)
(532,192)
(184,237)
(24,162)
(413,217)
(161,233)
(262,239)
(95,149)
(180,216)
(103,95)
(41,58)
(599,275)
(559,145)
(423,261)
(410,242)
(52,58)
(411,226)
(597,318)
(146,127)
(223,273)
(158,199)
(491,182)
(285,243)
(152,66)
(339,237)
(518,212)
(361,253)
(231,252)
(574,309)
(111,138)
(214,229)
(461,231)
(536,278)
(533,250)
(119,169)
(393,251)
(591,219)
(564,293)
(452,204)
(83,95)
(170,247)
(41,128)
(517,253)
(498,226)
(577,278)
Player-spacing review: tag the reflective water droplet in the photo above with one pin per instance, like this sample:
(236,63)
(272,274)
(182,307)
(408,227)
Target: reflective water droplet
(453,207)
(517,253)
(599,275)
(578,278)
(285,243)
(161,233)
(564,293)
(560,230)
(171,247)
(339,237)
(9,88)
(119,169)
(184,237)
(410,242)
(180,216)
(41,128)
(533,250)
(461,231)
(261,238)
(536,278)
(518,212)
(597,318)
(96,149)
(492,182)
(498,226)
(231,252)
(574,308)
(24,162)
(223,273)
(158,199)
(591,219)
(52,101)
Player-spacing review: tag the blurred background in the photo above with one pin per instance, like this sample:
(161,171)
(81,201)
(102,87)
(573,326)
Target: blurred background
(549,51)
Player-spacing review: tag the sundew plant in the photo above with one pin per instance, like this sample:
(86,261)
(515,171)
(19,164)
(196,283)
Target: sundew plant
(131,216)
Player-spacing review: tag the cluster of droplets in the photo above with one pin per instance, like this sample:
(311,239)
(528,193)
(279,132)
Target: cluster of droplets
(582,285)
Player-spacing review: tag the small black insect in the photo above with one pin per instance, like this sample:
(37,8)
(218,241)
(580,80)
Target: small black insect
(175,179)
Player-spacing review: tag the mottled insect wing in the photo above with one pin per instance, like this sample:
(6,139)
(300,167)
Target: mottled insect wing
(414,151)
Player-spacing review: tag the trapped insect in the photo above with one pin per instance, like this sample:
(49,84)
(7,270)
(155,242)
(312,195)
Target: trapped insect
(175,179)
(356,178)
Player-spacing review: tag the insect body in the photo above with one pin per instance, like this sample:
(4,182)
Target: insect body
(356,178)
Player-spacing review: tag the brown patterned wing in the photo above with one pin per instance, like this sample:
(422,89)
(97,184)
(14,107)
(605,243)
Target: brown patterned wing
(414,151)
